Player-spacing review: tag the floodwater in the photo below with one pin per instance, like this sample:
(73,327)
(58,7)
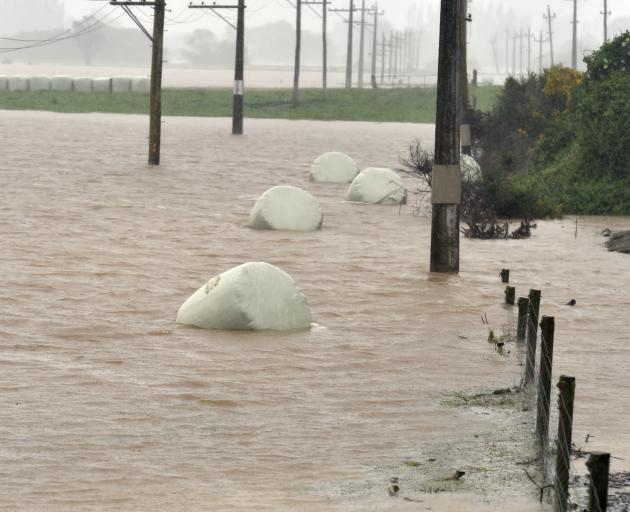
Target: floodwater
(107,404)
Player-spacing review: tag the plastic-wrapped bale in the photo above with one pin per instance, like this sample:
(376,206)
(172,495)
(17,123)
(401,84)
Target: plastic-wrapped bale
(39,83)
(333,167)
(4,82)
(471,170)
(121,84)
(61,83)
(376,185)
(17,83)
(254,296)
(286,207)
(103,85)
(140,85)
(82,84)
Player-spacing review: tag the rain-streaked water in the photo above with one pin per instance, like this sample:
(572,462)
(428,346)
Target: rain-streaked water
(107,404)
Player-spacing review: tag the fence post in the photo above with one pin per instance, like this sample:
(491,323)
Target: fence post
(598,465)
(532,330)
(544,380)
(505,275)
(523,303)
(510,295)
(563,455)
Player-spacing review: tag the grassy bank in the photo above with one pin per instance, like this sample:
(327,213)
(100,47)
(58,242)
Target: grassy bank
(387,105)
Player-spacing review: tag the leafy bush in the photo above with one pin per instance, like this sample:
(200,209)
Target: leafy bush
(612,57)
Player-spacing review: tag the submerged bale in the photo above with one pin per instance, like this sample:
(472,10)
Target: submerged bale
(286,207)
(121,84)
(82,84)
(333,167)
(253,296)
(61,83)
(4,82)
(39,83)
(140,85)
(471,170)
(377,185)
(102,85)
(17,83)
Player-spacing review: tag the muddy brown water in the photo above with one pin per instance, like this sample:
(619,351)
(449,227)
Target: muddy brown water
(107,404)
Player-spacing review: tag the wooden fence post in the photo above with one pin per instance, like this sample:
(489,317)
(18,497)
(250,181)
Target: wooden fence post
(532,330)
(563,455)
(544,380)
(510,295)
(598,465)
(523,303)
(505,275)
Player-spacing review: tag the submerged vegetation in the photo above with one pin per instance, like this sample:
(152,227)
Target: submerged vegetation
(558,142)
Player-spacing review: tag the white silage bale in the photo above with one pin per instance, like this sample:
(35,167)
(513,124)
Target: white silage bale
(121,84)
(61,83)
(17,83)
(140,84)
(253,296)
(82,84)
(286,207)
(39,83)
(333,167)
(471,170)
(102,85)
(377,185)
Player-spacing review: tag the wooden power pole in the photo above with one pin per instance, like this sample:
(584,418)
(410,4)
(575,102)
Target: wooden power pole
(446,175)
(239,64)
(155,95)
(350,10)
(298,44)
(374,41)
(549,17)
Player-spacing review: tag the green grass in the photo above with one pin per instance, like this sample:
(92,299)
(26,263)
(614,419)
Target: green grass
(386,105)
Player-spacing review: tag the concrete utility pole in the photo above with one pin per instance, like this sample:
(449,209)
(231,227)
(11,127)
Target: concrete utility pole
(514,38)
(390,76)
(574,45)
(298,50)
(374,41)
(361,44)
(350,10)
(395,56)
(323,3)
(529,50)
(239,89)
(507,51)
(446,175)
(155,95)
(383,46)
(520,70)
(606,13)
(465,136)
(540,42)
(550,17)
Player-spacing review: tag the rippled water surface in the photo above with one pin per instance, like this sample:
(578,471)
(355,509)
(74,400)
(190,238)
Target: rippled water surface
(107,404)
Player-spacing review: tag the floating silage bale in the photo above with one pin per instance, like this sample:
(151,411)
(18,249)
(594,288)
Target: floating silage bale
(82,84)
(39,83)
(61,83)
(17,83)
(333,167)
(102,85)
(140,84)
(4,82)
(121,84)
(377,185)
(471,170)
(253,296)
(286,207)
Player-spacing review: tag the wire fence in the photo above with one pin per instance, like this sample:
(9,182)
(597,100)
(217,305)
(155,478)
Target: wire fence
(558,481)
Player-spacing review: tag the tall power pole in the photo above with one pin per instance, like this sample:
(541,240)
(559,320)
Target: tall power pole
(574,46)
(298,48)
(239,89)
(383,46)
(514,38)
(549,17)
(155,94)
(520,66)
(350,10)
(446,175)
(606,13)
(540,42)
(529,50)
(361,44)
(507,51)
(323,3)
(390,76)
(374,41)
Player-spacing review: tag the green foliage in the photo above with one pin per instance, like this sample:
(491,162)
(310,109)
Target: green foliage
(612,57)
